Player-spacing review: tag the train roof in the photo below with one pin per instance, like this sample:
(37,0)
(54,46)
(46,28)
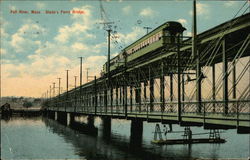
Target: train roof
(168,24)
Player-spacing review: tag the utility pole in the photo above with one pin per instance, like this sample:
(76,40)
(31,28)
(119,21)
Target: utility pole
(80,81)
(67,81)
(109,30)
(75,93)
(50,92)
(59,91)
(75,81)
(67,86)
(59,88)
(147,28)
(87,74)
(54,86)
(80,71)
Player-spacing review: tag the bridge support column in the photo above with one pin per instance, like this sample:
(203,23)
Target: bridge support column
(106,127)
(225,76)
(56,115)
(96,96)
(116,97)
(171,91)
(138,92)
(136,132)
(234,80)
(111,99)
(162,88)
(125,97)
(52,115)
(131,98)
(198,83)
(213,87)
(71,119)
(178,82)
(121,100)
(90,121)
(151,89)
(106,100)
(183,93)
(145,90)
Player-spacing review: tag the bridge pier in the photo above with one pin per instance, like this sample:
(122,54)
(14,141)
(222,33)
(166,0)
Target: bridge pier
(71,119)
(56,115)
(106,127)
(86,128)
(90,121)
(62,117)
(136,132)
(51,114)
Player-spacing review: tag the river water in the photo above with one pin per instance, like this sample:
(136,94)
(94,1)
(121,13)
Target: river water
(42,138)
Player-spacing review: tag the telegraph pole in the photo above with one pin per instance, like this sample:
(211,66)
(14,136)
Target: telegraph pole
(80,71)
(67,81)
(67,86)
(50,92)
(80,81)
(54,86)
(59,84)
(75,93)
(87,74)
(75,81)
(109,30)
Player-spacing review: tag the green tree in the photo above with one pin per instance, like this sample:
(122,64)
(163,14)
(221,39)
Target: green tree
(27,104)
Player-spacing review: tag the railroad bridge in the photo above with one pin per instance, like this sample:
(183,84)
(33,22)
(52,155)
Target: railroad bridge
(172,85)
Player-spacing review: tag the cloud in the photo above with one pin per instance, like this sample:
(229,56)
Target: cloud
(47,65)
(3,33)
(12,70)
(82,23)
(2,51)
(40,5)
(230,3)
(11,7)
(95,63)
(27,36)
(182,21)
(201,10)
(147,12)
(128,38)
(126,10)
(3,22)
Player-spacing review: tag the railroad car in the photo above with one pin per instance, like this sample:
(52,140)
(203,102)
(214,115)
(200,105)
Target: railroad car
(165,34)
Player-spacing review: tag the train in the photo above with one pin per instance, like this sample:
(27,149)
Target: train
(168,33)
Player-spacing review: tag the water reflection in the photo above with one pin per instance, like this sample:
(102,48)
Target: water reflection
(45,138)
(114,147)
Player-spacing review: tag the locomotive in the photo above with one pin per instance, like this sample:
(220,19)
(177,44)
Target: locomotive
(168,33)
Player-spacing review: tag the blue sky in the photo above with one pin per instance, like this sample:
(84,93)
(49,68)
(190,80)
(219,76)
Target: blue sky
(37,48)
